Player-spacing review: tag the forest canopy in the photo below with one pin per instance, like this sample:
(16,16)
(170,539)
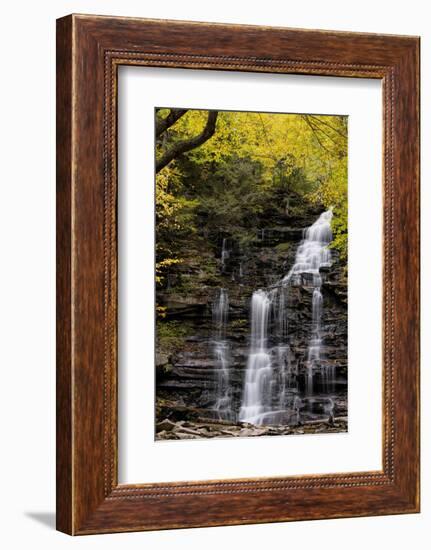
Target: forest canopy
(230,168)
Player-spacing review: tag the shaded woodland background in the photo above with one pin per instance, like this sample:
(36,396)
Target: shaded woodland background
(225,167)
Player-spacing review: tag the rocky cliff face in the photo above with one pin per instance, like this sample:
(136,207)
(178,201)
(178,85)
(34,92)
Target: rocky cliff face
(187,368)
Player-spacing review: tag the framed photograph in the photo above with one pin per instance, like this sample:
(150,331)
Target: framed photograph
(237,274)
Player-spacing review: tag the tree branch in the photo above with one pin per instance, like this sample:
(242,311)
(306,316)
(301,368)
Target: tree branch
(342,134)
(162,124)
(313,129)
(182,147)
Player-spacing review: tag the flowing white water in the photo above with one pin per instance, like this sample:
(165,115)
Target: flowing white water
(257,395)
(282,314)
(269,372)
(313,253)
(220,314)
(223,404)
(225,253)
(287,373)
(315,343)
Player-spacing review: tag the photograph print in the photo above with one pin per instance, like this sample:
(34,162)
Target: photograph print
(251,274)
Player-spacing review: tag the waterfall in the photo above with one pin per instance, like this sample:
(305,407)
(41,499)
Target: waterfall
(313,253)
(223,405)
(281,313)
(287,373)
(313,356)
(225,253)
(257,394)
(269,374)
(220,314)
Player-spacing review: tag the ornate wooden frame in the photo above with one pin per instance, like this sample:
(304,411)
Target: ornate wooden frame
(89,51)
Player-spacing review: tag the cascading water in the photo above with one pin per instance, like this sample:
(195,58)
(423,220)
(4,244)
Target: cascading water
(266,395)
(286,373)
(257,395)
(225,253)
(313,253)
(223,405)
(281,312)
(313,358)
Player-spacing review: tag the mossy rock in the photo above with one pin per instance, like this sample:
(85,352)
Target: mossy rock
(239,323)
(283,247)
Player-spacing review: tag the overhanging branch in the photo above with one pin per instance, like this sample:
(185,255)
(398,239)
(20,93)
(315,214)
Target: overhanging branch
(162,124)
(182,147)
